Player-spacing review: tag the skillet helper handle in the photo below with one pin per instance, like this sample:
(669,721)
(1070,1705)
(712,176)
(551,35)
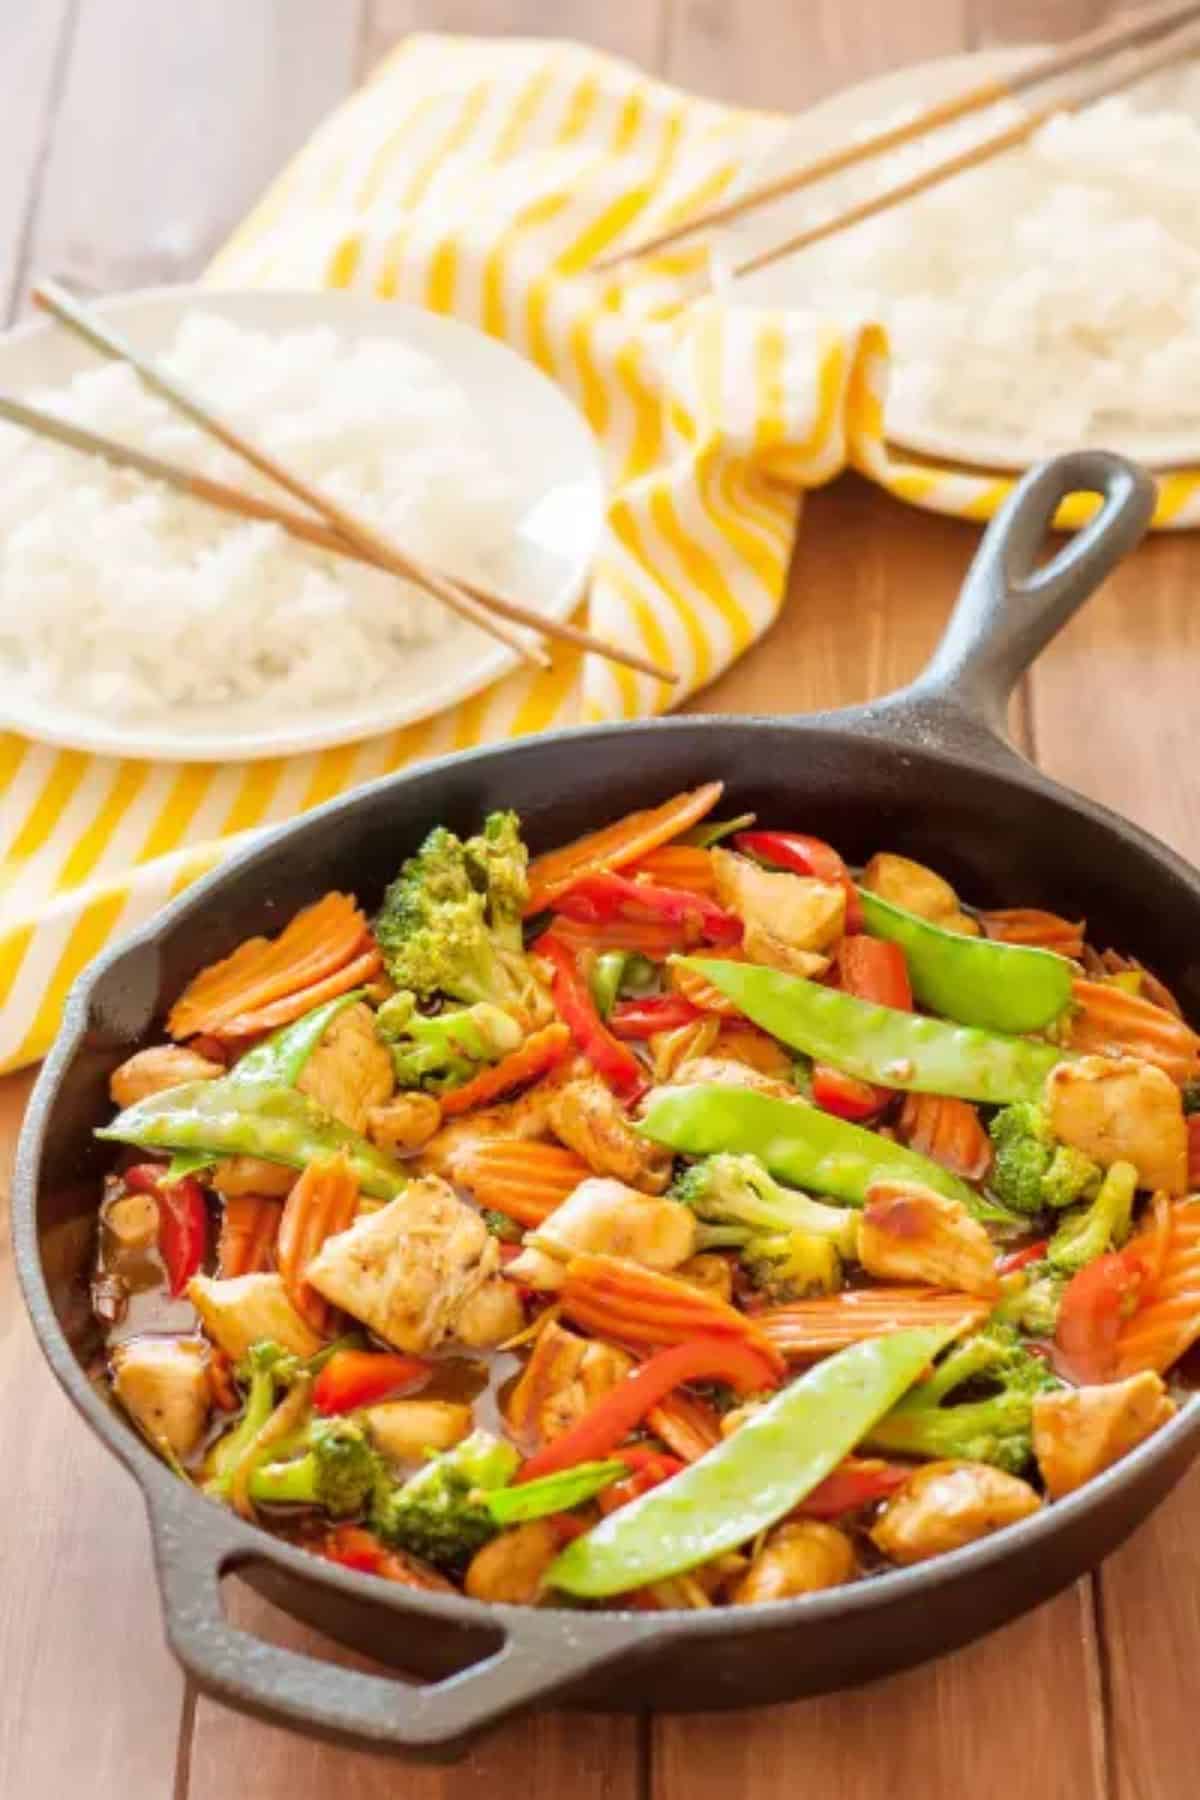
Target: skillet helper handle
(1009,607)
(534,1654)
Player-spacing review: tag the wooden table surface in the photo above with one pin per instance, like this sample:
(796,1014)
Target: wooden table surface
(132,136)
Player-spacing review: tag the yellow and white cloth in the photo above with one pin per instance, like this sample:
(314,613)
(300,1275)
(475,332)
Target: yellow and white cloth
(482,178)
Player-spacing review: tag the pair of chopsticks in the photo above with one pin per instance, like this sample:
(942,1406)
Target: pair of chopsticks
(1123,34)
(335,527)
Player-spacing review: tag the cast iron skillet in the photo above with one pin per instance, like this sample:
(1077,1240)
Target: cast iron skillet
(928,772)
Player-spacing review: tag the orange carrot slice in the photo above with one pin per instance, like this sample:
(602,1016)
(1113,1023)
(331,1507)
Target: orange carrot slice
(809,1329)
(320,940)
(294,1006)
(249,1228)
(947,1130)
(684,866)
(615,1298)
(701,992)
(643,937)
(540,1051)
(322,1203)
(523,1180)
(746,1044)
(1167,1320)
(617,845)
(1040,930)
(686,1425)
(1111,1022)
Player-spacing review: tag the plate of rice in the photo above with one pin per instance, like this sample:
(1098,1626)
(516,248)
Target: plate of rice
(142,622)
(1048,299)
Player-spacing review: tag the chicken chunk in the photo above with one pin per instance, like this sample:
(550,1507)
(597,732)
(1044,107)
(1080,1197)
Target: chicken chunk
(155,1070)
(1079,1431)
(799,1557)
(588,1118)
(489,1316)
(1122,1111)
(948,1504)
(133,1221)
(245,1310)
(409,1269)
(564,1376)
(789,919)
(404,1123)
(163,1385)
(604,1215)
(909,1233)
(512,1567)
(721,1071)
(404,1430)
(918,890)
(238,1175)
(350,1071)
(524,1118)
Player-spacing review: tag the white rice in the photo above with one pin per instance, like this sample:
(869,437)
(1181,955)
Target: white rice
(1051,295)
(119,596)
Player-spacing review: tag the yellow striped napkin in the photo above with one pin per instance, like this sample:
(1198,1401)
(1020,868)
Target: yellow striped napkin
(481,178)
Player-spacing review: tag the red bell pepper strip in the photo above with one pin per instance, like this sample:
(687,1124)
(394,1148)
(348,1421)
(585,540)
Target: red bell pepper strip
(870,969)
(619,1411)
(1095,1304)
(802,855)
(844,1095)
(658,1012)
(354,1378)
(354,1547)
(647,1469)
(1020,1259)
(857,1482)
(615,1064)
(182,1220)
(598,898)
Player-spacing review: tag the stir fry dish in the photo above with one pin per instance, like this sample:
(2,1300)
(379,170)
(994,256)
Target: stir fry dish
(677,1219)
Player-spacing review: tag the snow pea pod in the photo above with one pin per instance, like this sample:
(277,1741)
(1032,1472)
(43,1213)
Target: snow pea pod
(552,1493)
(753,1478)
(798,1143)
(280,1059)
(975,980)
(876,1043)
(278,1124)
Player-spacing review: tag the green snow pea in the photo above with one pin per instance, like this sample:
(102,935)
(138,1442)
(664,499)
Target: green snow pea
(798,1143)
(1001,987)
(878,1044)
(605,979)
(753,1478)
(251,1119)
(552,1493)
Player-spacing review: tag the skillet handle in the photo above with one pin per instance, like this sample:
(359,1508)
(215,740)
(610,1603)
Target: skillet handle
(1009,607)
(521,1655)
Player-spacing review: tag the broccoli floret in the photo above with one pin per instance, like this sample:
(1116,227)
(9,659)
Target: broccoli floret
(1031,1299)
(787,1265)
(1031,1170)
(438,1513)
(732,1189)
(337,1470)
(444,1050)
(266,1369)
(1091,1230)
(993,1424)
(450,924)
(502,1227)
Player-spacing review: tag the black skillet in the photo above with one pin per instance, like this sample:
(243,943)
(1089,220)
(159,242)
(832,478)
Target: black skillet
(928,772)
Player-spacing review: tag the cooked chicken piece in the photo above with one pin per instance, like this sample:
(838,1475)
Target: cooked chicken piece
(405,1429)
(799,1557)
(911,885)
(669,1050)
(909,1233)
(761,946)
(795,911)
(163,1385)
(709,1271)
(490,1316)
(948,1504)
(153,1071)
(564,1376)
(526,1117)
(350,1071)
(604,1215)
(1079,1431)
(722,1071)
(248,1308)
(512,1567)
(405,1122)
(132,1220)
(747,1044)
(238,1175)
(588,1118)
(409,1269)
(1122,1111)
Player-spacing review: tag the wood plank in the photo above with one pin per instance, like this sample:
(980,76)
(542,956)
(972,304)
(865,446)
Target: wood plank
(1033,21)
(33,45)
(630,28)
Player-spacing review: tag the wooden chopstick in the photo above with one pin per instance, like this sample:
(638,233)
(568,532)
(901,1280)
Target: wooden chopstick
(1146,63)
(352,526)
(1118,34)
(298,525)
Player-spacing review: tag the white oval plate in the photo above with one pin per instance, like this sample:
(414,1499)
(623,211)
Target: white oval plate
(781,284)
(547,450)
